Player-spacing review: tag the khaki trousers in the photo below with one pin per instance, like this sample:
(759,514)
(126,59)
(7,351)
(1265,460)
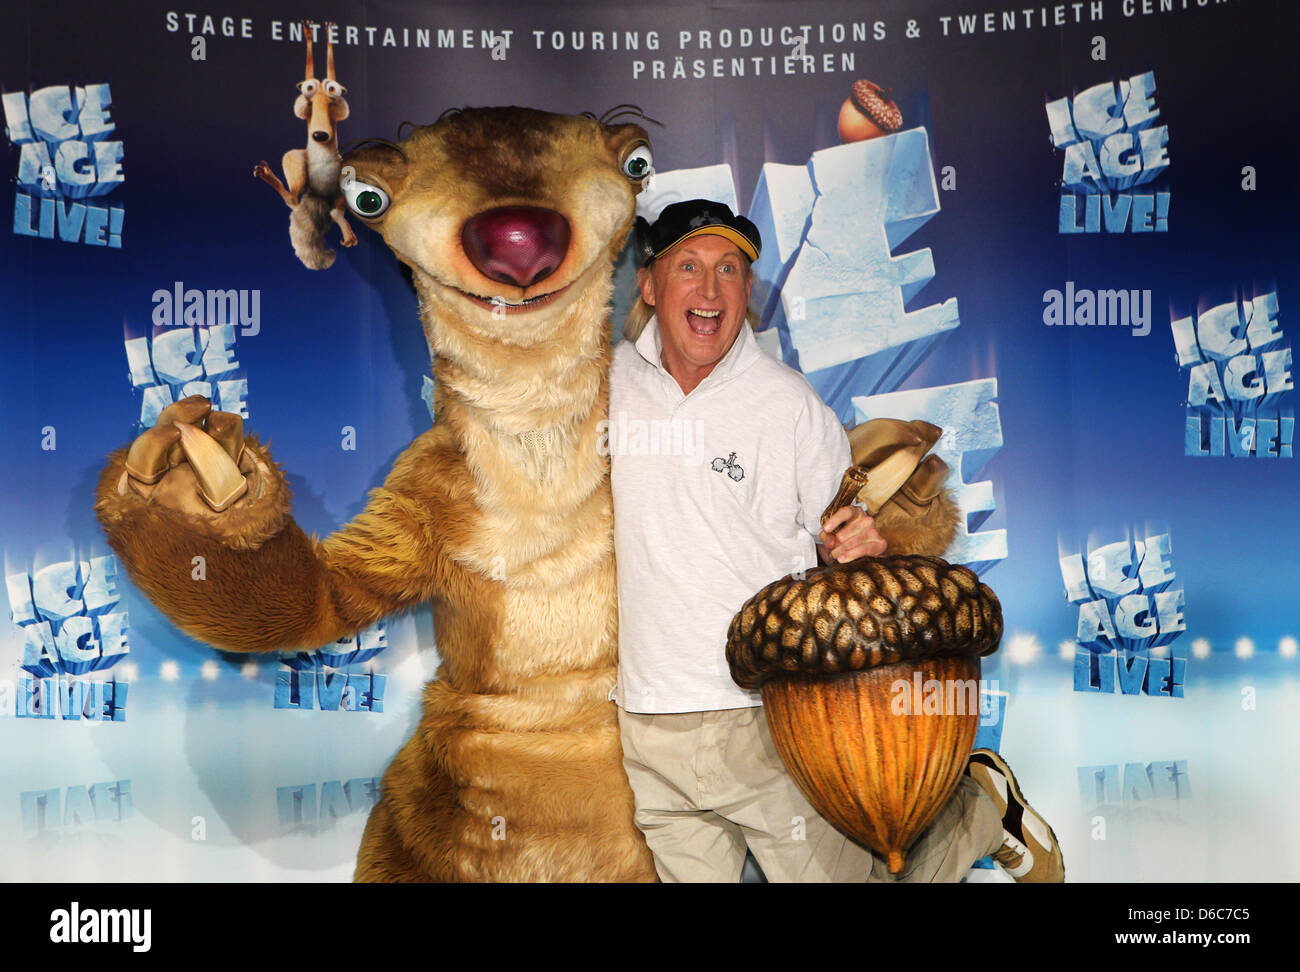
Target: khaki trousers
(709,784)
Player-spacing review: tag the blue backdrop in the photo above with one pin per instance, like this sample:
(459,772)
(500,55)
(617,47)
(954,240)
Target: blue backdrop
(925,273)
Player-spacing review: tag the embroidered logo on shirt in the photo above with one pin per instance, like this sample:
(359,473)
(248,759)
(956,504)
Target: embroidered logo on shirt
(729,466)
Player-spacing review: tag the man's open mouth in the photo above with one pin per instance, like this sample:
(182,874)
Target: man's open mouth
(704,322)
(513,307)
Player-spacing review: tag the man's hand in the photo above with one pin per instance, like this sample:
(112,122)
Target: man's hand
(848,534)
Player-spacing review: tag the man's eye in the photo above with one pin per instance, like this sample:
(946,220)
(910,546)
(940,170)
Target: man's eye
(688,266)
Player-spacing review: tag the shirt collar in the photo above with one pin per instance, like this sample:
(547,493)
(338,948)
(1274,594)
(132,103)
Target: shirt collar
(739,356)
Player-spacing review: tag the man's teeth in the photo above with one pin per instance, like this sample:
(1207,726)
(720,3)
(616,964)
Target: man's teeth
(704,322)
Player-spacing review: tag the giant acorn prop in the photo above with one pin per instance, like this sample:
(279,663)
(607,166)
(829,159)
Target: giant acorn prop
(830,648)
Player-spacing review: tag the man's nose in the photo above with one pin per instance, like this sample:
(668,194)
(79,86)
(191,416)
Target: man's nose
(709,285)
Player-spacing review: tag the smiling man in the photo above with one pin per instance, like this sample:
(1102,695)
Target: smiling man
(724,462)
(699,291)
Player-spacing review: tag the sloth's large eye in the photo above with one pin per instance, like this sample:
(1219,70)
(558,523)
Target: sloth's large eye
(637,160)
(308,87)
(364,199)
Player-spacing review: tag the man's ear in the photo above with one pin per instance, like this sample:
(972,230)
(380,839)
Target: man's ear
(646,282)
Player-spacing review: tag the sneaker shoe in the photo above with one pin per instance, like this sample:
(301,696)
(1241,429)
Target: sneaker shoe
(1029,852)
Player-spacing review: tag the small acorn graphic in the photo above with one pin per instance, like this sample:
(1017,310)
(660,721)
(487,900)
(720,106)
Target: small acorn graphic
(868,113)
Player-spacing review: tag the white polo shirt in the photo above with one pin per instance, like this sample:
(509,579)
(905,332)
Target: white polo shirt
(716,494)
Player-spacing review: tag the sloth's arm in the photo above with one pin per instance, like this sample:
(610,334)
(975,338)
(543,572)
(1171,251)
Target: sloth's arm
(249,578)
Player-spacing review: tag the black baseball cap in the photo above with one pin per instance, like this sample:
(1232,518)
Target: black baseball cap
(695,217)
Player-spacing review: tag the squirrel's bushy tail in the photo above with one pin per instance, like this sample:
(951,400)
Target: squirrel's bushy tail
(308,223)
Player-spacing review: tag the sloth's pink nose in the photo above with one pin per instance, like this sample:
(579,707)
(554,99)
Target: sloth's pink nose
(518,245)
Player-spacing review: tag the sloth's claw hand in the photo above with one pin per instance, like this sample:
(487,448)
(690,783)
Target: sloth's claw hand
(194,460)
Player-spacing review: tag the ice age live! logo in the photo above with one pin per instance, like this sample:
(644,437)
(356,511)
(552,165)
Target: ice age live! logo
(325,674)
(70,629)
(1129,615)
(65,154)
(1111,145)
(1239,372)
(184,361)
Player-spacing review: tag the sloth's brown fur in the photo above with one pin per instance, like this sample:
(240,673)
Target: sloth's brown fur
(919,529)
(500,515)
